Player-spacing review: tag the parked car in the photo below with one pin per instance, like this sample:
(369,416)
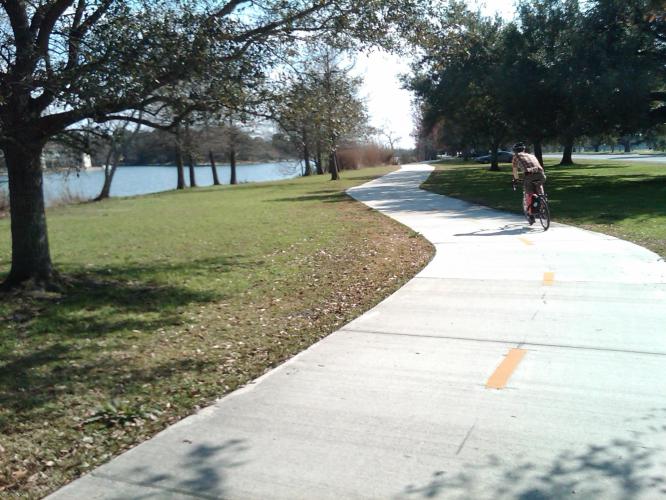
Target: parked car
(502,157)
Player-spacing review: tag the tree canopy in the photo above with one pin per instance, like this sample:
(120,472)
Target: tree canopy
(559,71)
(63,61)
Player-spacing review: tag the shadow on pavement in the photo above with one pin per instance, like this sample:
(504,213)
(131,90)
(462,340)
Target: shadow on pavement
(201,474)
(619,468)
(507,230)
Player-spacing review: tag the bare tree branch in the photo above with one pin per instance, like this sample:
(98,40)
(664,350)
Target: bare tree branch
(229,7)
(258,32)
(142,121)
(46,26)
(18,18)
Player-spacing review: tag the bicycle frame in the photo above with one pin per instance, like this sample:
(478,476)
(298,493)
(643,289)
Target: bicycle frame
(541,211)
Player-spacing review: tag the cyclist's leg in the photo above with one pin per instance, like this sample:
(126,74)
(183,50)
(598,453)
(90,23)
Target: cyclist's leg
(528,189)
(538,187)
(540,181)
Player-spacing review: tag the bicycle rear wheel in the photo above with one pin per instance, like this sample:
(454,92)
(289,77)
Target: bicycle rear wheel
(544,214)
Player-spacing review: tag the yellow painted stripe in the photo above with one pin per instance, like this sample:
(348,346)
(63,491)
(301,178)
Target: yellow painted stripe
(548,278)
(506,368)
(526,241)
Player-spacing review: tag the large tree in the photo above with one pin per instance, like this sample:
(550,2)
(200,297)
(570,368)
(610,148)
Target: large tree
(119,139)
(595,66)
(459,79)
(62,61)
(529,94)
(561,71)
(627,55)
(552,35)
(344,115)
(295,108)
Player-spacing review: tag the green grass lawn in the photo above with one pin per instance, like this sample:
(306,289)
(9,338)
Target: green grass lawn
(624,199)
(173,300)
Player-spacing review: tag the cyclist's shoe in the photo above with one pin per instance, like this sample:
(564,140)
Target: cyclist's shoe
(532,219)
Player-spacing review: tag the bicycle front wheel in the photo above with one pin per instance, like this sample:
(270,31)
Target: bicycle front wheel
(544,214)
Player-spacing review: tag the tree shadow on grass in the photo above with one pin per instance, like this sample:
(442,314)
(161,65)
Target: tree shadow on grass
(582,199)
(608,198)
(50,374)
(95,305)
(581,167)
(62,340)
(333,196)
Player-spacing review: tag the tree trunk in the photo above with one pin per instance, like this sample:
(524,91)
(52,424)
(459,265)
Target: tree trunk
(190,162)
(306,159)
(216,179)
(627,147)
(333,166)
(494,164)
(31,259)
(109,171)
(596,148)
(232,163)
(318,161)
(568,150)
(179,167)
(538,152)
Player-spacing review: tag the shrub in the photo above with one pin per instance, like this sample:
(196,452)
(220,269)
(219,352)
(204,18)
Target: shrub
(67,197)
(365,155)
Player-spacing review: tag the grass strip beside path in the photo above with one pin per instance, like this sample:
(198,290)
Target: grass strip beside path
(176,299)
(623,199)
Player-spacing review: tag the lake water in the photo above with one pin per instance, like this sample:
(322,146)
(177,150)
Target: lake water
(132,181)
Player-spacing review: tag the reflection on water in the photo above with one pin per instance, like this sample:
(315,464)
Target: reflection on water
(131,181)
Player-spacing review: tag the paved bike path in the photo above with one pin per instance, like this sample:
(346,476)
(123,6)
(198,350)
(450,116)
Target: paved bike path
(569,325)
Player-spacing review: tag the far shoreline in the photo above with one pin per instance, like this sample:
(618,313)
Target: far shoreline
(172,165)
(4,173)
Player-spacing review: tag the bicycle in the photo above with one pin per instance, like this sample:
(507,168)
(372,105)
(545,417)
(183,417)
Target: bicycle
(539,204)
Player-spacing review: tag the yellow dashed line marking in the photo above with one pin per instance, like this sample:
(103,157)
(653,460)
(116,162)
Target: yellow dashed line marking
(526,241)
(548,278)
(505,369)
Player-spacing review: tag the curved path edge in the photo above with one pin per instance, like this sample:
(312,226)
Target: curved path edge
(516,364)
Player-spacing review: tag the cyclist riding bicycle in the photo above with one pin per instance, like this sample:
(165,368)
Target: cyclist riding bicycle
(533,174)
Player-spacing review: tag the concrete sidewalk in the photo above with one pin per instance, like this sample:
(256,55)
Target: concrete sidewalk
(568,327)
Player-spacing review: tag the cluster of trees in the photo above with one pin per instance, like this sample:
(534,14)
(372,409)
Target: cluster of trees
(167,65)
(563,70)
(193,145)
(156,147)
(314,102)
(319,108)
